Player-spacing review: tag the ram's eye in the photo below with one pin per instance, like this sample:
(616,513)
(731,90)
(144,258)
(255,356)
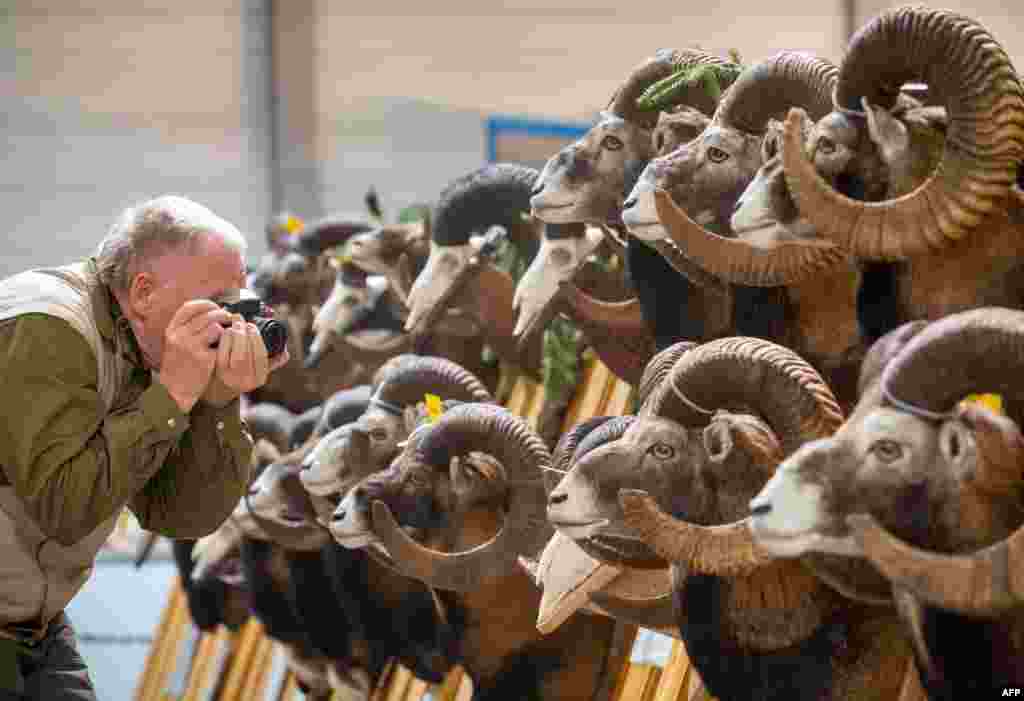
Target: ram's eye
(717,155)
(662,451)
(887,451)
(612,143)
(379,434)
(826,145)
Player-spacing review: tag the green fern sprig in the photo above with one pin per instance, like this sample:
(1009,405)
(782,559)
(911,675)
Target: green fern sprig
(711,77)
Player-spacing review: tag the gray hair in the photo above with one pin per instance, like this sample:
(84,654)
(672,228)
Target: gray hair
(156,227)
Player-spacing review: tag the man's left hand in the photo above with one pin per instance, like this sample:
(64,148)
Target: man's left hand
(242,364)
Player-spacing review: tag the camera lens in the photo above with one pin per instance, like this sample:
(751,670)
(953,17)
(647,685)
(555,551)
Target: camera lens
(274,334)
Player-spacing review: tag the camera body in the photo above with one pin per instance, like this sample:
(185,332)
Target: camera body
(273,332)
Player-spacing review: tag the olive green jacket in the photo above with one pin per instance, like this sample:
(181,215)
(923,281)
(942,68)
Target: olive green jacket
(80,440)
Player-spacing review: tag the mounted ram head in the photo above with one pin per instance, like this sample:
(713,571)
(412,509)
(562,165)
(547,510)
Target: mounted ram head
(436,485)
(927,490)
(358,449)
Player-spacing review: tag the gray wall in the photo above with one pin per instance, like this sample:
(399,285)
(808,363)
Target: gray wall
(104,109)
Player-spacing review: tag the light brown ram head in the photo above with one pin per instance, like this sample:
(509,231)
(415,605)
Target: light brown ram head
(706,176)
(454,498)
(353,451)
(586,181)
(939,482)
(708,437)
(878,148)
(397,251)
(458,272)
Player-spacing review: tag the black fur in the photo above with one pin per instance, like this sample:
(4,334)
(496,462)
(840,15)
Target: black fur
(270,602)
(378,314)
(205,598)
(802,672)
(494,195)
(412,634)
(973,658)
(557,232)
(760,312)
(520,677)
(878,309)
(312,597)
(663,294)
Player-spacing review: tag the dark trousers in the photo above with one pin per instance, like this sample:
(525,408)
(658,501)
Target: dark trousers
(51,670)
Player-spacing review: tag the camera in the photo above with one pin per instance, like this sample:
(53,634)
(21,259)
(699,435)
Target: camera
(251,308)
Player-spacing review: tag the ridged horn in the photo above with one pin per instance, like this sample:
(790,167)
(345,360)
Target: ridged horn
(769,88)
(982,93)
(728,550)
(664,63)
(973,351)
(492,430)
(986,582)
(416,375)
(658,368)
(741,262)
(750,374)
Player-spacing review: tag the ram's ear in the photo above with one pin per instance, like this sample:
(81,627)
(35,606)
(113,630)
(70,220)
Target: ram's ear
(730,434)
(888,133)
(718,439)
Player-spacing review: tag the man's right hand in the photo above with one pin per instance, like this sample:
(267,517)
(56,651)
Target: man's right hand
(188,361)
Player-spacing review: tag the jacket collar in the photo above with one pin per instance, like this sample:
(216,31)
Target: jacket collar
(110,322)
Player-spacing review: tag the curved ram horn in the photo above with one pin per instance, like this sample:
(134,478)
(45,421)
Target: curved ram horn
(754,375)
(767,89)
(986,582)
(407,382)
(658,368)
(616,330)
(741,262)
(971,351)
(727,551)
(492,430)
(984,143)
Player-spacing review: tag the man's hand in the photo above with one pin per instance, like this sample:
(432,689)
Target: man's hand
(242,364)
(188,361)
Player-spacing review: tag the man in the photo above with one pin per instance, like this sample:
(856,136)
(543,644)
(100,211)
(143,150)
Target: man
(114,397)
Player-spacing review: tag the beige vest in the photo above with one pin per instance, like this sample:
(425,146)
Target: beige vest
(38,575)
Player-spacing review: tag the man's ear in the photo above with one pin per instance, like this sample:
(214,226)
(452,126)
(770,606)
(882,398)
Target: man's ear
(140,293)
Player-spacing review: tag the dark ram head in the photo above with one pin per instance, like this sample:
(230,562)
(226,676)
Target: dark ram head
(586,181)
(452,496)
(366,445)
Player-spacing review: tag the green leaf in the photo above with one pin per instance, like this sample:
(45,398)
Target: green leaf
(561,360)
(666,91)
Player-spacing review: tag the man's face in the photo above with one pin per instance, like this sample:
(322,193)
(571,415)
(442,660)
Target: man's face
(207,269)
